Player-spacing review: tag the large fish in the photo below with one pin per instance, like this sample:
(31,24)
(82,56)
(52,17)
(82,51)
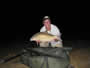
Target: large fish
(43,37)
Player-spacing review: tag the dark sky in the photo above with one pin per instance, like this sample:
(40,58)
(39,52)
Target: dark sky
(22,20)
(19,26)
(71,27)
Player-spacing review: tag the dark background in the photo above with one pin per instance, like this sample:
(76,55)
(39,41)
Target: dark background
(18,25)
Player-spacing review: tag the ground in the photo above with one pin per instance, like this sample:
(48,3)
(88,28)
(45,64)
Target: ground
(79,57)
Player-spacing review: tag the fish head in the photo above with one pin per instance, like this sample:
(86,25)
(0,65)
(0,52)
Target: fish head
(33,39)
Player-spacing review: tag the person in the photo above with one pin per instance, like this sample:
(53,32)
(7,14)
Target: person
(51,29)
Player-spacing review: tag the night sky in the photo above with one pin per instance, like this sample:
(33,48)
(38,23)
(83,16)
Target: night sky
(17,27)
(73,27)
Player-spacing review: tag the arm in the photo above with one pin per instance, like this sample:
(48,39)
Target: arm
(56,31)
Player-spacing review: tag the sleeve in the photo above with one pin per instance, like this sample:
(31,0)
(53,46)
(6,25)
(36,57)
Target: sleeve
(56,30)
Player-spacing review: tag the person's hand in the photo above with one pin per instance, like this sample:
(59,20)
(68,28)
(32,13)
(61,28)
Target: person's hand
(59,37)
(47,31)
(56,40)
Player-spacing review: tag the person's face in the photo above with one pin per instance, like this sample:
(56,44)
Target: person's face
(47,24)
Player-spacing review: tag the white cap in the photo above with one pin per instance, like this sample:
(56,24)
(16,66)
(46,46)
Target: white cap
(46,17)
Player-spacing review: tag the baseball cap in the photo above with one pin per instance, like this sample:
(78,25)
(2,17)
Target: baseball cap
(46,17)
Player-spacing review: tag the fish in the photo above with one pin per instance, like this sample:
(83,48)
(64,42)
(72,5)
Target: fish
(44,37)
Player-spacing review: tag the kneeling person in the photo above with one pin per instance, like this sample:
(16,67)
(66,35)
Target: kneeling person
(51,29)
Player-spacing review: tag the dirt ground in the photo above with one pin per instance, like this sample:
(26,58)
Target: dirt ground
(9,52)
(13,64)
(80,58)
